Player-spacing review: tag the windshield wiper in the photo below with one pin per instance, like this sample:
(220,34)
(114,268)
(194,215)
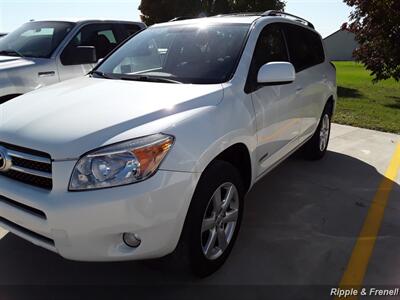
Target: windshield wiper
(149,79)
(101,74)
(10,53)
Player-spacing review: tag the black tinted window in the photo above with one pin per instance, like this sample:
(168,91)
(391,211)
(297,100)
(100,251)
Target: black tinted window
(305,47)
(271,47)
(130,29)
(100,36)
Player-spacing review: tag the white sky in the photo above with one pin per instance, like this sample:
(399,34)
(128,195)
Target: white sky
(327,16)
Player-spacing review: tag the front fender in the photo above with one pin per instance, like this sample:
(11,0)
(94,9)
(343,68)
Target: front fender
(7,87)
(201,138)
(21,76)
(13,84)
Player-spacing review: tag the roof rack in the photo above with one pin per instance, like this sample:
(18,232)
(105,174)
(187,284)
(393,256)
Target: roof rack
(269,13)
(273,13)
(181,19)
(246,14)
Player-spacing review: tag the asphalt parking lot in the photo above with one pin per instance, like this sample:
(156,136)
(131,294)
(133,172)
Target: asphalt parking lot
(300,229)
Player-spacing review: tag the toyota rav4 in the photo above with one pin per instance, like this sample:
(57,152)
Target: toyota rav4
(152,153)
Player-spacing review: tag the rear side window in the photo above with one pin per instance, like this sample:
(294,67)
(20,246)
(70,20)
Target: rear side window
(130,29)
(305,47)
(109,34)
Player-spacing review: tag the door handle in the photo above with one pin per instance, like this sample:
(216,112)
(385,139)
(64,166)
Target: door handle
(47,74)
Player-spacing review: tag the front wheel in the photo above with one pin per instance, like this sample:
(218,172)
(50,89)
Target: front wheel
(214,218)
(317,146)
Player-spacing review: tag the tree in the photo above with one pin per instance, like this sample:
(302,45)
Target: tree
(156,11)
(376,24)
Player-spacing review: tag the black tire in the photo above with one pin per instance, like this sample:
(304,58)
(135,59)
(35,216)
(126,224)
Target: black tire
(313,150)
(192,239)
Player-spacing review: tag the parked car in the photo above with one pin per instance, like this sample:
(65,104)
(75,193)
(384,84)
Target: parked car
(154,151)
(45,52)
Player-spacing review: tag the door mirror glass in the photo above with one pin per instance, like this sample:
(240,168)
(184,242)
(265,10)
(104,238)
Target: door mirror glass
(80,55)
(276,73)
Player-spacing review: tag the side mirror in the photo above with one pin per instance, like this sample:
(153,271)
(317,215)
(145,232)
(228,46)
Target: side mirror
(81,55)
(276,73)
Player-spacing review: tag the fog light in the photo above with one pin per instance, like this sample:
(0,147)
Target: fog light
(131,239)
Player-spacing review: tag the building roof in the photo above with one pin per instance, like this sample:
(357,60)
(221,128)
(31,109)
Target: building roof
(336,32)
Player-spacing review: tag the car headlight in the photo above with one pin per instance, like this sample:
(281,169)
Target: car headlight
(121,164)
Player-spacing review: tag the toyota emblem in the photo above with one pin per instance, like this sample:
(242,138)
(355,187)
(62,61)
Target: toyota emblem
(5,160)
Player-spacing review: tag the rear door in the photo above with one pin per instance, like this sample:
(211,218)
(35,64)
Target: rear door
(307,55)
(277,111)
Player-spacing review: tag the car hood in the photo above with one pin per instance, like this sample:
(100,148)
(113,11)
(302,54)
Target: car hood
(69,119)
(10,62)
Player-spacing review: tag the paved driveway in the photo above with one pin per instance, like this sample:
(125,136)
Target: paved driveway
(299,232)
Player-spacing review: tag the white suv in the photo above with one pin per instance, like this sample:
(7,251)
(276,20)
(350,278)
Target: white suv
(154,151)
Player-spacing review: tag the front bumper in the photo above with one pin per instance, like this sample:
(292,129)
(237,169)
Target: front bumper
(88,226)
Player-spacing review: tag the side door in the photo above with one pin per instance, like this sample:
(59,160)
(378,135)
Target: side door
(307,55)
(38,43)
(277,111)
(102,36)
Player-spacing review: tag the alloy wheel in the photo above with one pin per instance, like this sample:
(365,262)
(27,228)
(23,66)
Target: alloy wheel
(219,221)
(324,132)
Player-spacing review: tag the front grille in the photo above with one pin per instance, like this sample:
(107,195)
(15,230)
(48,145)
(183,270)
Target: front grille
(29,166)
(25,150)
(34,165)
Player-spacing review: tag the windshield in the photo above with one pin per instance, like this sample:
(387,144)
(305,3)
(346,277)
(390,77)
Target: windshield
(35,39)
(186,54)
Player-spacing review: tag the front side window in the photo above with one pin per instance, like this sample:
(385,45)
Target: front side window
(271,47)
(189,54)
(100,36)
(305,47)
(35,39)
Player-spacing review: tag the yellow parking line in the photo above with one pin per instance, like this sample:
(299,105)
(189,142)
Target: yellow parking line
(354,274)
(2,233)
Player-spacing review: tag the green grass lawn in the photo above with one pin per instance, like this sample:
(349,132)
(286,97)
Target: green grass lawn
(364,104)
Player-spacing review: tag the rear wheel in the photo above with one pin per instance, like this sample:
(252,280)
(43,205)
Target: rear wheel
(317,146)
(214,218)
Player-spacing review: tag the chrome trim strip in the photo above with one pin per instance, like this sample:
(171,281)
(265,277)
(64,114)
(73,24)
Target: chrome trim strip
(26,156)
(31,172)
(65,159)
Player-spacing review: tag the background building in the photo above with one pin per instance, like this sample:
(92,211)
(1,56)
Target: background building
(340,45)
